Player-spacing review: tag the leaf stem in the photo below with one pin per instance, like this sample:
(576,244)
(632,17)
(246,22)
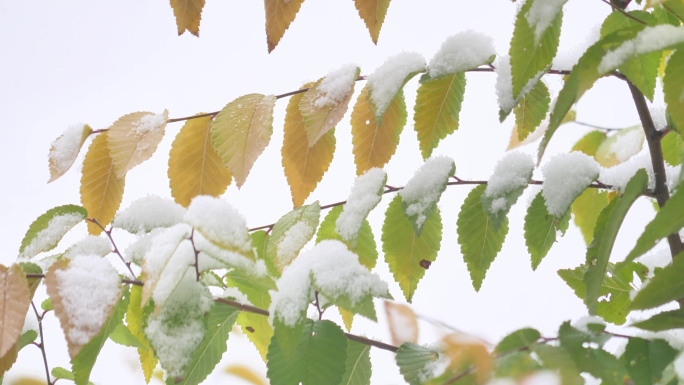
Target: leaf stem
(111,240)
(41,345)
(194,249)
(622,11)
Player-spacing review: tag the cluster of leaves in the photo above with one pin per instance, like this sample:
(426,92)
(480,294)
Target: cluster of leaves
(198,252)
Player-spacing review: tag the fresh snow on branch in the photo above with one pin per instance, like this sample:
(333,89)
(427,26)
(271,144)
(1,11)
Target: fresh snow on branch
(365,195)
(461,52)
(388,79)
(148,213)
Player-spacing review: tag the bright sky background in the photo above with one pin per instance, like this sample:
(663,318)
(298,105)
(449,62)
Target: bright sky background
(84,61)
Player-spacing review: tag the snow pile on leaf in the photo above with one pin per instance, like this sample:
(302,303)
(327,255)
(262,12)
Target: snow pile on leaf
(504,83)
(461,52)
(618,176)
(384,83)
(90,245)
(650,39)
(512,172)
(65,149)
(148,213)
(565,177)
(50,234)
(365,195)
(294,239)
(541,14)
(219,222)
(423,190)
(336,85)
(149,123)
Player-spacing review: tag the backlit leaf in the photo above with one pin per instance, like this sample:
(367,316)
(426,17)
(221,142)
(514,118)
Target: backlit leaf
(365,242)
(673,148)
(242,130)
(133,138)
(531,110)
(358,367)
(464,350)
(291,233)
(586,209)
(304,165)
(541,229)
(407,254)
(667,285)
(374,145)
(373,13)
(438,104)
(101,189)
(673,319)
(188,15)
(480,242)
(673,88)
(65,149)
(619,147)
(279,15)
(14,302)
(646,359)
(135,314)
(590,143)
(403,323)
(123,336)
(414,362)
(48,229)
(194,166)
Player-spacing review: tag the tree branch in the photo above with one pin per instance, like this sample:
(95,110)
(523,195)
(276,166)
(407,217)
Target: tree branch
(41,345)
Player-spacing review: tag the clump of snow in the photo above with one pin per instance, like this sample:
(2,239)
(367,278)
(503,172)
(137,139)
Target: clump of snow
(649,39)
(384,83)
(217,257)
(541,14)
(365,195)
(628,144)
(678,365)
(336,85)
(50,236)
(567,58)
(135,252)
(89,288)
(232,292)
(333,270)
(423,190)
(65,149)
(674,337)
(148,213)
(618,176)
(169,257)
(511,172)
(565,177)
(659,117)
(504,83)
(582,323)
(292,241)
(219,222)
(90,245)
(461,52)
(149,123)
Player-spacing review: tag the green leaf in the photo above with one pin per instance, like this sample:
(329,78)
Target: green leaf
(614,150)
(517,340)
(26,338)
(123,336)
(259,242)
(48,229)
(590,142)
(532,110)
(320,357)
(607,227)
(674,8)
(423,190)
(47,304)
(516,365)
(207,355)
(541,229)
(480,242)
(668,220)
(667,285)
(613,305)
(531,52)
(586,209)
(288,338)
(673,319)
(645,360)
(438,105)
(673,148)
(413,361)
(380,112)
(84,361)
(673,88)
(365,247)
(134,321)
(358,366)
(557,358)
(407,254)
(303,221)
(62,373)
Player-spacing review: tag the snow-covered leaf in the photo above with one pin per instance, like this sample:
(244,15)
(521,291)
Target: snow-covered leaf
(48,229)
(541,229)
(373,13)
(511,176)
(291,233)
(673,88)
(387,81)
(403,323)
(620,147)
(194,165)
(279,15)
(364,245)
(133,138)
(188,14)
(461,52)
(673,319)
(365,195)
(65,149)
(565,177)
(220,223)
(148,213)
(242,130)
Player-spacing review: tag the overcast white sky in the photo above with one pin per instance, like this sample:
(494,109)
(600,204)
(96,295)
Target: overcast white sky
(84,61)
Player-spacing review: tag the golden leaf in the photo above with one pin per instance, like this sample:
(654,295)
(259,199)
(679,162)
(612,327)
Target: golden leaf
(241,132)
(463,349)
(27,381)
(246,373)
(373,13)
(188,15)
(101,189)
(373,145)
(65,149)
(15,298)
(194,166)
(134,137)
(347,318)
(304,166)
(134,322)
(279,15)
(257,329)
(403,323)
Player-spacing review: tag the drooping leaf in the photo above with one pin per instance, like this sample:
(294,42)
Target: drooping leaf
(541,229)
(407,254)
(133,138)
(373,13)
(585,210)
(207,355)
(14,302)
(194,166)
(531,110)
(365,242)
(673,88)
(645,360)
(673,148)
(188,15)
(621,146)
(291,233)
(164,247)
(123,336)
(243,128)
(304,165)
(48,229)
(422,192)
(358,367)
(101,189)
(375,144)
(65,149)
(480,242)
(607,226)
(673,319)
(414,361)
(135,315)
(438,104)
(667,285)
(403,323)
(279,15)
(518,339)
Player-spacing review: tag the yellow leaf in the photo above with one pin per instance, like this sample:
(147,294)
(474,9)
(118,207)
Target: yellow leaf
(403,323)
(464,350)
(347,318)
(241,132)
(621,146)
(279,15)
(134,322)
(15,298)
(194,166)
(188,15)
(322,110)
(257,329)
(134,137)
(27,381)
(373,13)
(65,149)
(246,373)
(304,166)
(373,145)
(101,189)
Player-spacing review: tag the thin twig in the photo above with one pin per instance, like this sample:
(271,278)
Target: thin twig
(596,127)
(469,371)
(111,240)
(622,11)
(318,306)
(41,345)
(196,264)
